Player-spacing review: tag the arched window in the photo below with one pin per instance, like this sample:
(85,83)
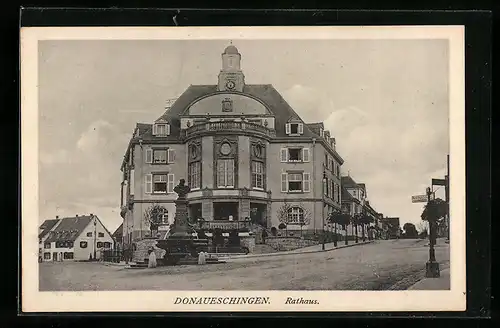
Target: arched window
(295,215)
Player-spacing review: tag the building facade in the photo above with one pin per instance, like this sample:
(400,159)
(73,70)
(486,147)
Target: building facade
(244,152)
(355,202)
(76,238)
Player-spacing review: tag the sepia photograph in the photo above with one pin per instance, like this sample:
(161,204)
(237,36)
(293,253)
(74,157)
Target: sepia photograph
(250,169)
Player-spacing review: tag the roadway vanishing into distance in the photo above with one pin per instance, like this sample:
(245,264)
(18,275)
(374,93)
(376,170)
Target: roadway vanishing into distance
(382,265)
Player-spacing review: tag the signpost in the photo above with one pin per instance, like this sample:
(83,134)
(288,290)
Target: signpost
(419,199)
(439,182)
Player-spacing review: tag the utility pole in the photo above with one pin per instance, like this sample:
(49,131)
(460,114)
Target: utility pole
(447,196)
(432,266)
(95,239)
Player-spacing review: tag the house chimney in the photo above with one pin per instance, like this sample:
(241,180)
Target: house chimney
(57,216)
(77,215)
(91,214)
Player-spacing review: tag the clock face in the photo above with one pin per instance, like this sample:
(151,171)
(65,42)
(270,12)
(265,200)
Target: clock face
(230,85)
(225,149)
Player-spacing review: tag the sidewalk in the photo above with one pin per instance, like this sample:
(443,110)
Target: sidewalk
(305,250)
(441,283)
(122,263)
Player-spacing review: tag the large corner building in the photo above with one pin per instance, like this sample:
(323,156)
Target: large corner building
(243,151)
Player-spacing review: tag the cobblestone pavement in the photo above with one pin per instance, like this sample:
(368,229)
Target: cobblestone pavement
(382,265)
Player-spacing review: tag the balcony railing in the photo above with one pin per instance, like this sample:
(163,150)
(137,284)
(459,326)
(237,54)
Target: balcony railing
(225,225)
(229,126)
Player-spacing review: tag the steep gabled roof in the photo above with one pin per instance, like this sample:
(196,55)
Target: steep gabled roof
(348,182)
(347,197)
(69,229)
(118,232)
(47,225)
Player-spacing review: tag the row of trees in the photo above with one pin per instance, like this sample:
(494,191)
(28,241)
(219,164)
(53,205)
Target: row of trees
(357,220)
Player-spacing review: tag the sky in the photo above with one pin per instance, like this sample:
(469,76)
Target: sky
(385,102)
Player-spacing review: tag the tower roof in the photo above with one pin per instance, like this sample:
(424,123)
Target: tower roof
(231,50)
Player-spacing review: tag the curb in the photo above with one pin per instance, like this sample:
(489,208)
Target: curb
(297,253)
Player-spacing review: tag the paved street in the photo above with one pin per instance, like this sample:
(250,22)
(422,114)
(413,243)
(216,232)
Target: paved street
(391,264)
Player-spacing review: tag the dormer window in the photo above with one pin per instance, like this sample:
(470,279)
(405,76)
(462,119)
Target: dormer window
(296,129)
(161,129)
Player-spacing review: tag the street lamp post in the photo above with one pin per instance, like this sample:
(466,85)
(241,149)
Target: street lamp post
(432,266)
(95,239)
(323,213)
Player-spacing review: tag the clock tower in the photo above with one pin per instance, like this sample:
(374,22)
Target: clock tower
(231,77)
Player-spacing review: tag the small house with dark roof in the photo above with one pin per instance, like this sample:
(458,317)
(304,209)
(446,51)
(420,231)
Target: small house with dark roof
(74,238)
(243,151)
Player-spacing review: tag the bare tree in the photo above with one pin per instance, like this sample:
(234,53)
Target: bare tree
(306,219)
(283,216)
(153,216)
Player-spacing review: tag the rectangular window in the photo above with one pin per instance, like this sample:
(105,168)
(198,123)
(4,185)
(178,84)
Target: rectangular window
(294,154)
(68,255)
(159,183)
(295,215)
(325,187)
(161,129)
(257,175)
(225,173)
(100,244)
(332,187)
(46,245)
(100,234)
(159,156)
(295,182)
(294,128)
(194,175)
(46,256)
(89,234)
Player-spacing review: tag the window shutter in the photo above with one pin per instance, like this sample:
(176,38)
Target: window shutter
(167,129)
(170,155)
(284,182)
(301,128)
(287,128)
(284,155)
(307,182)
(149,155)
(155,129)
(305,154)
(170,183)
(148,184)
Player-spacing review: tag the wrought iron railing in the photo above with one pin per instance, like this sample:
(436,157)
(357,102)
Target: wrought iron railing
(224,225)
(229,126)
